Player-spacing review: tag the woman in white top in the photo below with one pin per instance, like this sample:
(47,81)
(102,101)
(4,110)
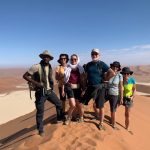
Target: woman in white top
(73,77)
(115,93)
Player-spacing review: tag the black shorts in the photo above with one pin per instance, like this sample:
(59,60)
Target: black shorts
(96,93)
(73,93)
(113,101)
(127,102)
(63,98)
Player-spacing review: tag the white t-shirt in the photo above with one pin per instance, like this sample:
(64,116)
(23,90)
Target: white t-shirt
(113,84)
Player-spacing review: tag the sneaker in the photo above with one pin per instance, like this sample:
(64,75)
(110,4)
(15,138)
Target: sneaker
(101,127)
(114,127)
(67,121)
(81,119)
(59,121)
(41,133)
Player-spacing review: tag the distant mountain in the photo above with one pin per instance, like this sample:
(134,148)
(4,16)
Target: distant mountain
(141,73)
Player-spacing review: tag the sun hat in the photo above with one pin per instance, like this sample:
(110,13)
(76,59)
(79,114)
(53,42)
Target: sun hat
(126,70)
(116,64)
(95,50)
(66,55)
(46,53)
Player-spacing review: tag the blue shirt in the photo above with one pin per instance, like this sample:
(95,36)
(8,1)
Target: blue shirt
(95,72)
(128,87)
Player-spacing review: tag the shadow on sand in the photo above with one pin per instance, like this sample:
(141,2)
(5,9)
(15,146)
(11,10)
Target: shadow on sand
(25,132)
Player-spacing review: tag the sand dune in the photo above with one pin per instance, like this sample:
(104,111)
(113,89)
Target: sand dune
(80,135)
(21,134)
(14,105)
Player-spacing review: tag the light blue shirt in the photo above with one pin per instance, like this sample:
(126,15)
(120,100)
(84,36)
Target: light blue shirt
(113,84)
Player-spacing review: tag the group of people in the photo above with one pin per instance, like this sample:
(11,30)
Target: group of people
(79,84)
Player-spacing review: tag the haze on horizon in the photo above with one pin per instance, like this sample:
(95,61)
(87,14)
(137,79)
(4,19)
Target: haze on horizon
(120,29)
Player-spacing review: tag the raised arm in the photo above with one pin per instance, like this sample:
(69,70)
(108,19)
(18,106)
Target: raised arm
(109,74)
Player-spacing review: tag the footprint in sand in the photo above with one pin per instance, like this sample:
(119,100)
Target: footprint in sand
(89,141)
(63,134)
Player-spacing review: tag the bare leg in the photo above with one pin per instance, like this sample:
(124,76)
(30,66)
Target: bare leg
(79,108)
(127,111)
(101,114)
(96,110)
(113,122)
(72,107)
(64,106)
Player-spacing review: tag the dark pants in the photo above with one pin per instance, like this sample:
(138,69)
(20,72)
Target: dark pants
(40,100)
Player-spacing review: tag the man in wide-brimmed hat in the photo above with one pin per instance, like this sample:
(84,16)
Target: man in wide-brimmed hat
(40,75)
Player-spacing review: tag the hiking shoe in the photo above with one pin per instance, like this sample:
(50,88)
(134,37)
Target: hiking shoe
(114,127)
(59,121)
(81,119)
(41,133)
(67,121)
(101,127)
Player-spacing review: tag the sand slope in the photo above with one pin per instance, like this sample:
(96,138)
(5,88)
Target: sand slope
(85,135)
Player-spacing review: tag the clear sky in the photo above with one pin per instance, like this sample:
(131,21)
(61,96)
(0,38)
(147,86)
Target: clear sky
(120,28)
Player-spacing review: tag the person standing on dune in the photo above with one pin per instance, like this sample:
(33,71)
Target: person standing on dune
(59,76)
(43,83)
(95,71)
(115,91)
(129,85)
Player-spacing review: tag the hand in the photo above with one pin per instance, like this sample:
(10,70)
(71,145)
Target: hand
(120,102)
(82,93)
(132,98)
(63,93)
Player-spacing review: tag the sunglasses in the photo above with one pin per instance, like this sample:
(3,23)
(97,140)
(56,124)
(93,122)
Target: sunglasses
(73,59)
(94,54)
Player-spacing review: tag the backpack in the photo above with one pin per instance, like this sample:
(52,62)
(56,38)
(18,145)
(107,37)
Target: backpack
(31,86)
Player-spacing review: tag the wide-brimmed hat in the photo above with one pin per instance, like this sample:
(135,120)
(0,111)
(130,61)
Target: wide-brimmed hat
(46,53)
(66,55)
(116,64)
(95,50)
(126,70)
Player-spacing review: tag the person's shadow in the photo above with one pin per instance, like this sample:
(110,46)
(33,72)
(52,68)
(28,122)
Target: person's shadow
(25,132)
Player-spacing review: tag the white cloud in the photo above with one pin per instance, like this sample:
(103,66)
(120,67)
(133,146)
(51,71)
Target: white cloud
(135,55)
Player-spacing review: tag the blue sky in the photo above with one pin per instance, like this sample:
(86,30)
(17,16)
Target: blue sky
(120,28)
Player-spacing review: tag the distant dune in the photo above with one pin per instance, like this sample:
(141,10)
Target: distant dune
(141,73)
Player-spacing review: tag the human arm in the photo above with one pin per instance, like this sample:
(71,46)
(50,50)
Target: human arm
(121,92)
(83,81)
(27,77)
(109,74)
(57,74)
(133,92)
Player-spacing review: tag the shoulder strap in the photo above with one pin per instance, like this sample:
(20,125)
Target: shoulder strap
(99,65)
(40,71)
(119,75)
